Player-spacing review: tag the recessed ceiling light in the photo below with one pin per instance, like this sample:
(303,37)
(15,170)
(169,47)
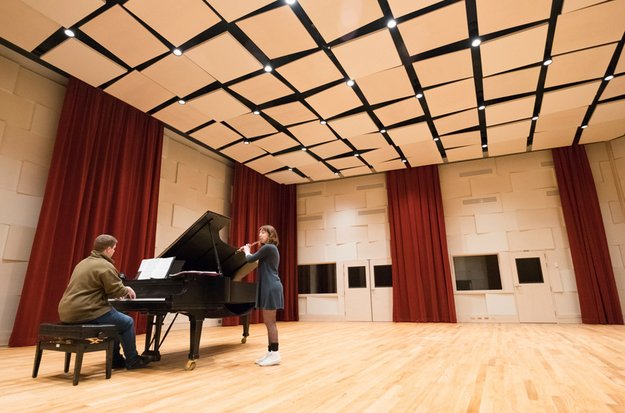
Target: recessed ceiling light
(336,173)
(290,1)
(608,77)
(304,149)
(382,130)
(484,146)
(257,112)
(356,154)
(476,42)
(535,118)
(547,62)
(323,122)
(246,142)
(391,23)
(290,169)
(350,83)
(404,160)
(436,139)
(182,101)
(177,52)
(584,126)
(419,95)
(268,68)
(69,33)
(481,107)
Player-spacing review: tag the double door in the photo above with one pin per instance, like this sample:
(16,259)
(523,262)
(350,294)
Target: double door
(368,290)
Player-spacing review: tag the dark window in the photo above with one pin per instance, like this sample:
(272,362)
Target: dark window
(529,270)
(383,275)
(357,277)
(479,272)
(316,279)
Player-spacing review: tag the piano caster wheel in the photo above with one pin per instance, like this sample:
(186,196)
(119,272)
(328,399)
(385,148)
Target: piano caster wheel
(190,365)
(244,340)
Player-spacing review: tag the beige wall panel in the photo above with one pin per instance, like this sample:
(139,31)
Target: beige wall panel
(311,255)
(311,222)
(169,170)
(15,110)
(537,199)
(373,250)
(165,214)
(525,162)
(470,306)
(351,201)
(541,218)
(173,193)
(4,233)
(535,179)
(191,178)
(34,87)
(18,243)
(184,217)
(466,169)
(33,179)
(378,232)
(19,209)
(489,184)
(10,170)
(460,225)
(355,234)
(324,236)
(45,121)
(318,204)
(487,223)
(9,71)
(455,188)
(339,253)
(26,146)
(536,239)
(482,205)
(485,243)
(376,198)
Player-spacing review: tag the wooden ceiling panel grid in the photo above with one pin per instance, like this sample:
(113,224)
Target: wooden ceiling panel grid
(616,87)
(71,12)
(335,18)
(177,20)
(216,135)
(330,149)
(435,29)
(403,7)
(496,15)
(81,61)
(417,132)
(461,139)
(296,159)
(511,83)
(386,85)
(276,143)
(23,25)
(569,98)
(333,101)
(265,164)
(181,117)
(389,165)
(600,132)
(554,138)
(555,120)
(367,54)
(234,61)
(399,111)
(251,125)
(514,50)
(457,121)
(219,105)
(509,131)
(286,178)
(277,32)
(290,113)
(359,170)
(346,162)
(233,10)
(130,41)
(620,65)
(445,68)
(242,152)
(262,88)
(464,153)
(588,27)
(311,71)
(380,155)
(140,91)
(368,141)
(579,66)
(353,125)
(317,171)
(572,5)
(452,97)
(178,74)
(312,133)
(422,153)
(610,111)
(507,147)
(510,111)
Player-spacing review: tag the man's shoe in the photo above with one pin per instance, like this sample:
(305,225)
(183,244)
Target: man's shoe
(119,363)
(263,357)
(139,363)
(271,360)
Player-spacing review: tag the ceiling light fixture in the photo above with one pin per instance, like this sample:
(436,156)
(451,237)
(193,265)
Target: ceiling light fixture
(484,146)
(547,62)
(257,112)
(336,173)
(419,95)
(350,83)
(382,130)
(246,142)
(535,118)
(608,78)
(584,126)
(391,23)
(69,33)
(290,1)
(177,52)
(323,122)
(481,107)
(290,169)
(404,160)
(268,68)
(476,42)
(436,139)
(356,154)
(304,149)
(182,101)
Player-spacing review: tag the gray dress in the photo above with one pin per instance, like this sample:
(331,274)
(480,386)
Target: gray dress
(270,292)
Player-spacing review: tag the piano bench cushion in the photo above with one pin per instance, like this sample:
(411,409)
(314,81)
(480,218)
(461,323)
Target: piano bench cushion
(78,339)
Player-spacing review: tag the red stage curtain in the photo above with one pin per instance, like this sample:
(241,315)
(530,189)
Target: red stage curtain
(596,287)
(104,178)
(422,285)
(257,201)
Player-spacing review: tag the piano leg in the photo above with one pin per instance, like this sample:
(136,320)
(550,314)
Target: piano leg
(196,334)
(153,334)
(246,327)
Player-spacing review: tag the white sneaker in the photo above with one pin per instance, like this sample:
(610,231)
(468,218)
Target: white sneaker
(262,358)
(272,359)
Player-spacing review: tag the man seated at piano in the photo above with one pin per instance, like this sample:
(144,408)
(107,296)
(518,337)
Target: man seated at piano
(270,291)
(85,300)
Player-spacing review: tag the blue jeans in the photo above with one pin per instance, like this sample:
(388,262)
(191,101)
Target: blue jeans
(126,328)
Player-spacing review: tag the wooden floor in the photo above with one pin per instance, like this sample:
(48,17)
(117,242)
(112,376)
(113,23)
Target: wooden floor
(345,367)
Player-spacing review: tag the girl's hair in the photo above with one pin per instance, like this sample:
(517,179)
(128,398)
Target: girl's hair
(273,234)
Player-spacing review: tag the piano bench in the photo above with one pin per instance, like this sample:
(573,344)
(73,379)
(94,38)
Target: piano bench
(76,338)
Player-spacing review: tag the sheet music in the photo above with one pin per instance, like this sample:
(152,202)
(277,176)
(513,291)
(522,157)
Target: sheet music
(154,268)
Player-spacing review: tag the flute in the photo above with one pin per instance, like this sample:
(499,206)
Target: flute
(251,245)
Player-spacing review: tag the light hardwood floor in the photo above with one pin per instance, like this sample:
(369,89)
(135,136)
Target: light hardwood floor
(345,367)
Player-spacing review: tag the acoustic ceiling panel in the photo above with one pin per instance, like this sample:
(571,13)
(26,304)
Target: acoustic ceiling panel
(356,57)
(72,11)
(386,85)
(261,88)
(232,10)
(140,91)
(444,68)
(311,71)
(290,113)
(218,105)
(216,135)
(23,25)
(178,74)
(405,109)
(497,15)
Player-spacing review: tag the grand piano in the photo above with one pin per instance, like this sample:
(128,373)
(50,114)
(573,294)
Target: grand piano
(208,285)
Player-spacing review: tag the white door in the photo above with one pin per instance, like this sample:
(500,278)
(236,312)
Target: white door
(368,291)
(532,289)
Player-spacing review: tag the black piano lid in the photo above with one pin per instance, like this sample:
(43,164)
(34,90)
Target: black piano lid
(195,247)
